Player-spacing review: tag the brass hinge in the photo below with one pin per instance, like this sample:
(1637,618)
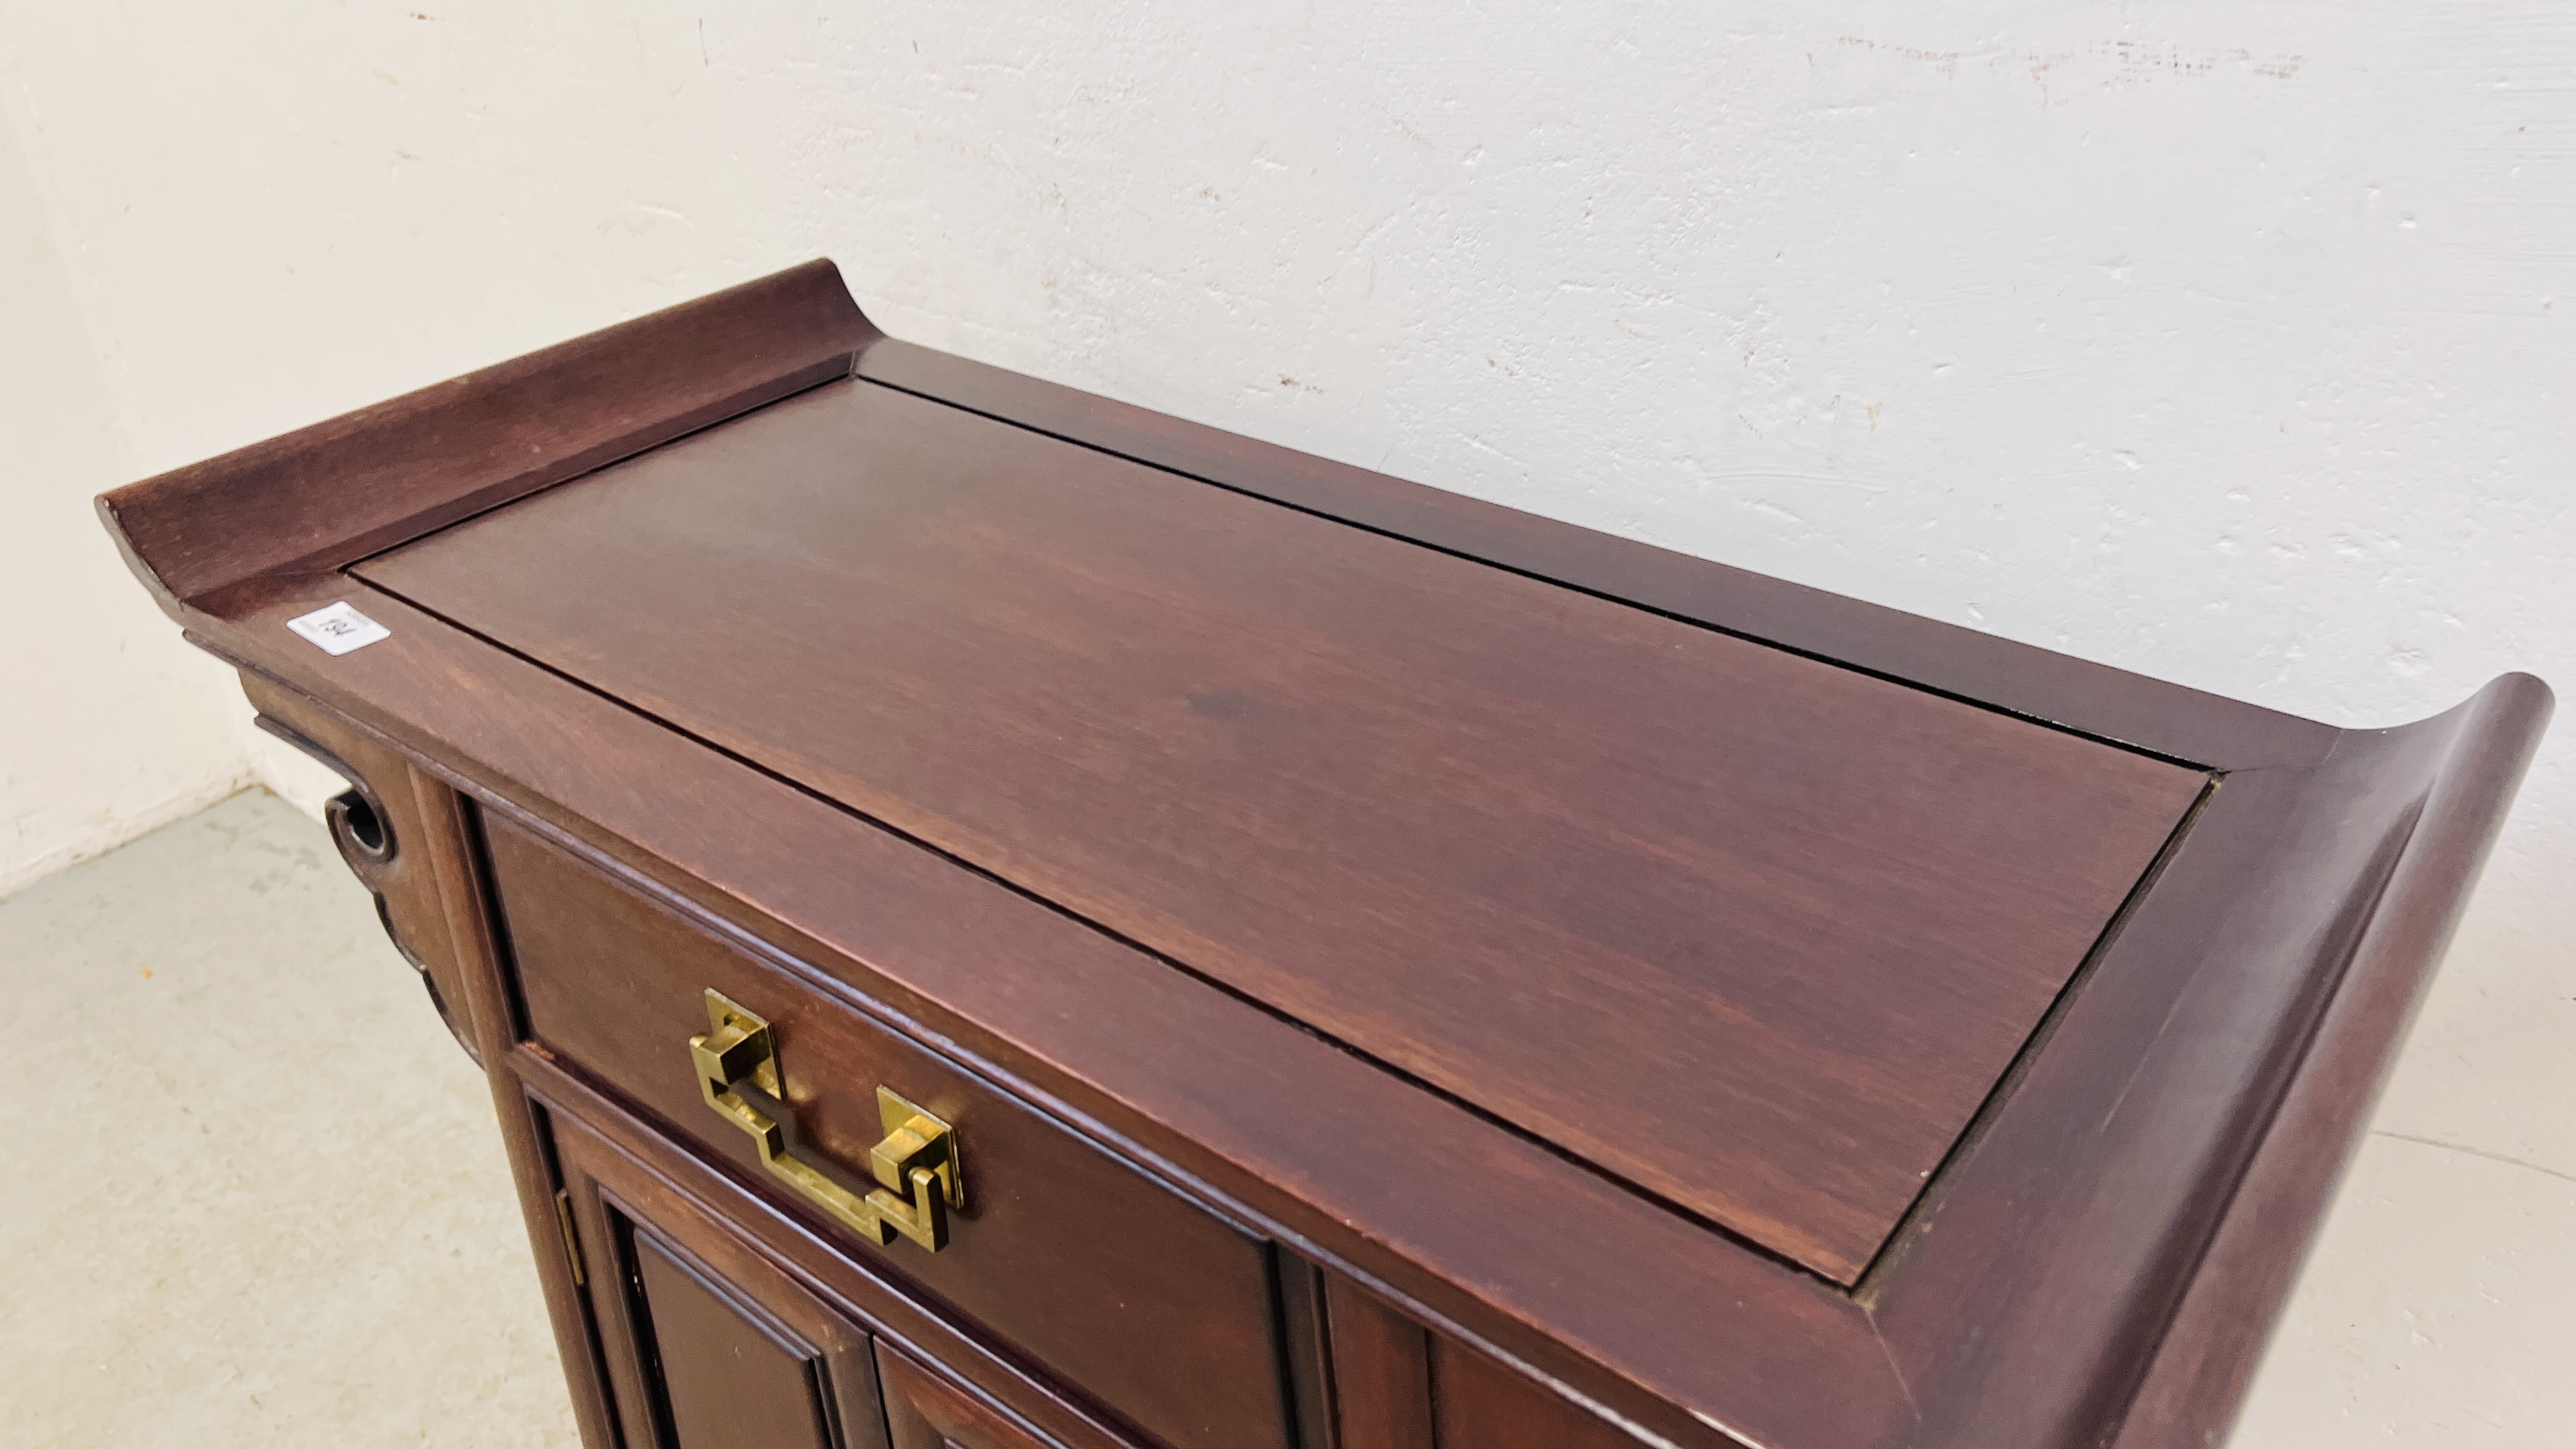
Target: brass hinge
(572,1241)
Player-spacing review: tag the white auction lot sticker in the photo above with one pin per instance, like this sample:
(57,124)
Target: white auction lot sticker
(339,628)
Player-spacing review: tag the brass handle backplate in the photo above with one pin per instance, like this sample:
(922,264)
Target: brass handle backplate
(916,1165)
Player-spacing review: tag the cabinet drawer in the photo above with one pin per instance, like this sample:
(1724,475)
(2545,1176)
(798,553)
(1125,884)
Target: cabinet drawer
(713,1342)
(1135,1296)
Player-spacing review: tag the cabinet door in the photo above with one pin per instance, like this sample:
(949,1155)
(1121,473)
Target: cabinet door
(708,1345)
(927,1410)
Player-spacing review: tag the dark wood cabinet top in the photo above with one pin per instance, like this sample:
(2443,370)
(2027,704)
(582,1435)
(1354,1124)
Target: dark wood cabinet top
(1758,1017)
(1752,932)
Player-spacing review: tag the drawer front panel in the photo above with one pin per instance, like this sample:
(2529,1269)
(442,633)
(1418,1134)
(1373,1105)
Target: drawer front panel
(1137,1297)
(716,1344)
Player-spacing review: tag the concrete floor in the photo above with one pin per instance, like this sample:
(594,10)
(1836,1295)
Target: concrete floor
(257,1199)
(255,1194)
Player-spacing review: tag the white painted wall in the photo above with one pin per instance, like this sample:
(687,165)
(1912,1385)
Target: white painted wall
(2224,343)
(109,726)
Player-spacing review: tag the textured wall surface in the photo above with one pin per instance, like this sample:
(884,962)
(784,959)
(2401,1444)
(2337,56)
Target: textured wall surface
(109,725)
(2223,343)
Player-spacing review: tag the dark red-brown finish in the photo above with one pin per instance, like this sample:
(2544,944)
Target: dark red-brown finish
(330,494)
(2115,1209)
(926,1411)
(1151,1304)
(731,1376)
(1753,932)
(1479,1404)
(630,1189)
(1381,1371)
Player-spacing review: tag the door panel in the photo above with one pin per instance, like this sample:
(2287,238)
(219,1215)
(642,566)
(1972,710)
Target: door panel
(925,1410)
(708,1344)
(731,1377)
(712,1341)
(1178,1337)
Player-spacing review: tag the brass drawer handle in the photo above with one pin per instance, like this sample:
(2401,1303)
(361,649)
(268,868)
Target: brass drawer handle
(916,1163)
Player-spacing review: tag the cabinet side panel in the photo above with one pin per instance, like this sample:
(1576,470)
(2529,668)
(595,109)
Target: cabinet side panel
(450,841)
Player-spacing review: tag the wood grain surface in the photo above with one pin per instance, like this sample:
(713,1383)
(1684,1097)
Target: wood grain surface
(1751,932)
(1381,1371)
(625,1191)
(1154,1306)
(2096,1260)
(926,1411)
(2080,694)
(1467,1224)
(331,493)
(731,1377)
(1479,1404)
